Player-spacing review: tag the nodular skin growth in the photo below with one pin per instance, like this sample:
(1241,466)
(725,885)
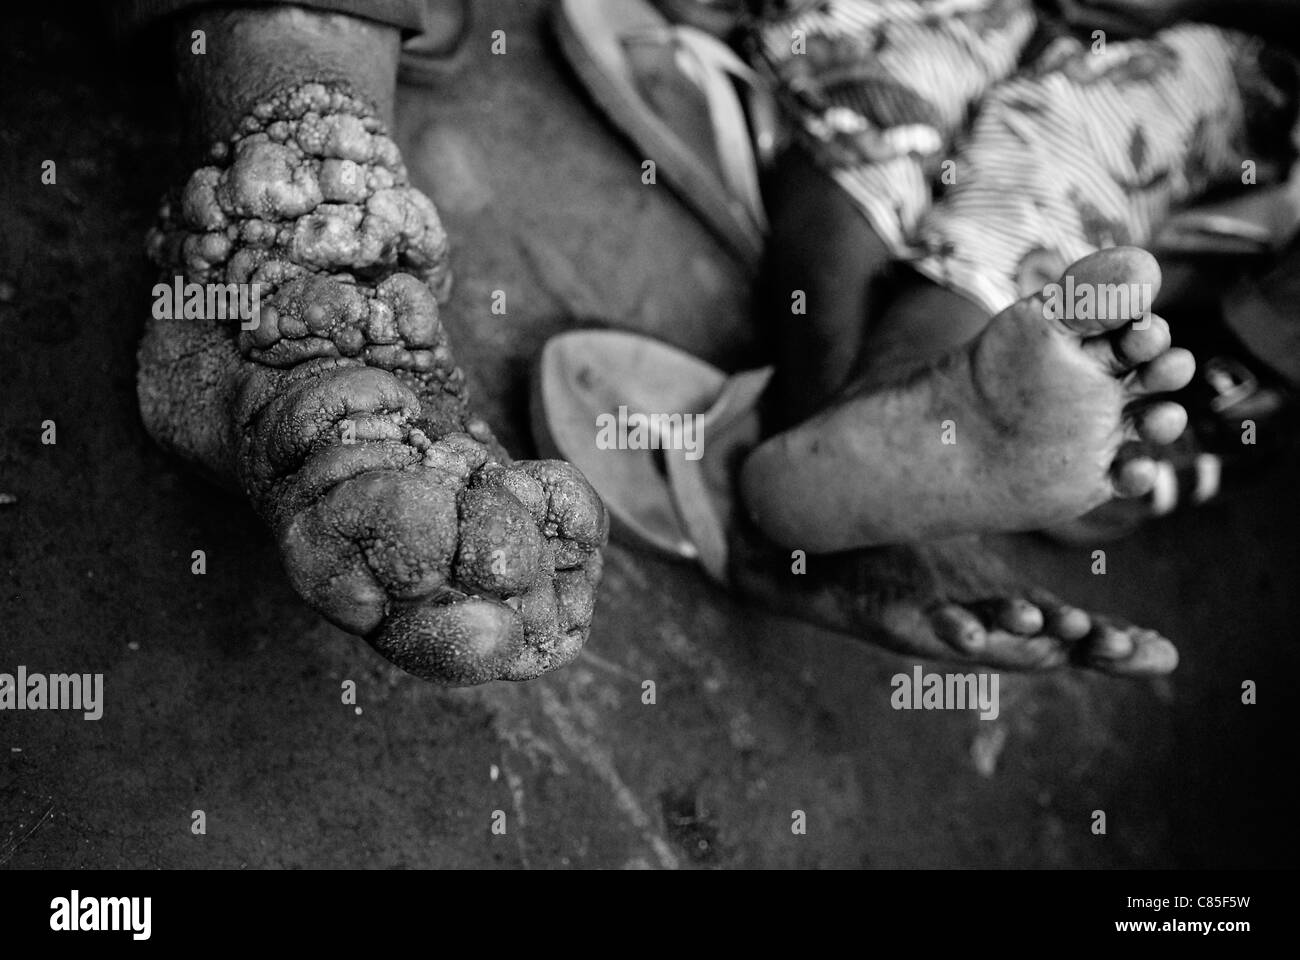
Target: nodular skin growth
(343,416)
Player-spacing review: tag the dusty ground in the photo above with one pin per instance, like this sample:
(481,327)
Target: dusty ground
(223,691)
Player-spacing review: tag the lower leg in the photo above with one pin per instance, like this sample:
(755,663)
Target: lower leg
(251,53)
(867,317)
(814,296)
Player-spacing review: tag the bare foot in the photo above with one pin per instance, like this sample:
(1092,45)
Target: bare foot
(951,600)
(1020,430)
(341,413)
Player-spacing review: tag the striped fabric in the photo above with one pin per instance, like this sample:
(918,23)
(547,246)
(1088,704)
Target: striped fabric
(894,63)
(1088,151)
(1080,151)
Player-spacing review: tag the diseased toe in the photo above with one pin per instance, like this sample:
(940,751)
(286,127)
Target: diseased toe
(500,546)
(575,595)
(379,536)
(573,512)
(462,643)
(400,556)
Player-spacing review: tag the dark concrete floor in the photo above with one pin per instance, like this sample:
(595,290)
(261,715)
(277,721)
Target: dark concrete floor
(223,691)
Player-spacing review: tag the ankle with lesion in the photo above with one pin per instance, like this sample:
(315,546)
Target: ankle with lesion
(310,183)
(309,201)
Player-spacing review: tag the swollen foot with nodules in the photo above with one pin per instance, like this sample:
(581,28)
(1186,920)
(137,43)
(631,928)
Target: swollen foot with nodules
(342,414)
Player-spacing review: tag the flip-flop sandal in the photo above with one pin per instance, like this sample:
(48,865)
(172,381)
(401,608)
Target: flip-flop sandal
(722,18)
(672,89)
(439,50)
(591,381)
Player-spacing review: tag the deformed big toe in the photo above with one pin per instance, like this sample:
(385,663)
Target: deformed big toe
(381,536)
(462,643)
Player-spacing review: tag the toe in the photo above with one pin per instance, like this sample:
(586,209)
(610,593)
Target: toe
(1069,623)
(1017,615)
(1122,283)
(1010,651)
(458,644)
(1004,634)
(571,511)
(1131,652)
(1109,642)
(1160,422)
(1170,371)
(1135,344)
(501,548)
(959,628)
(1153,655)
(1134,477)
(1062,620)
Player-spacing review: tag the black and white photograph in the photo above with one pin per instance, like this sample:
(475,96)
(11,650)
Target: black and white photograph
(672,435)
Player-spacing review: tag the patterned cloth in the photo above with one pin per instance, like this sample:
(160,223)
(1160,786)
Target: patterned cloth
(1006,172)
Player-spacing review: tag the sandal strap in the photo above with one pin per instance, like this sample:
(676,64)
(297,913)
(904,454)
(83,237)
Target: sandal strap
(694,503)
(714,68)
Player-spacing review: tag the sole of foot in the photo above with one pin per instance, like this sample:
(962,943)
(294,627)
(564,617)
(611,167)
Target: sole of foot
(1025,428)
